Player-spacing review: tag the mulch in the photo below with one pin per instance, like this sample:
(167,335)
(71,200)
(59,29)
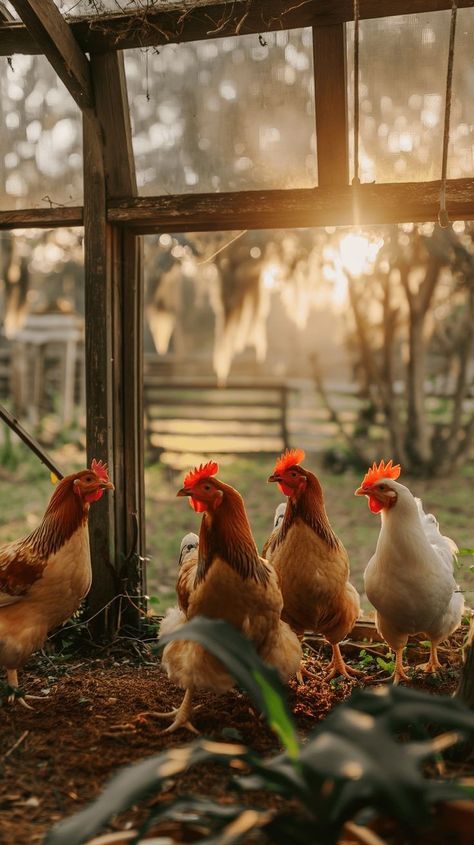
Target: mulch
(58,757)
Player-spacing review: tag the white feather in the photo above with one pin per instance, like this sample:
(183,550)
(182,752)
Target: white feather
(410,578)
(279,515)
(444,546)
(189,544)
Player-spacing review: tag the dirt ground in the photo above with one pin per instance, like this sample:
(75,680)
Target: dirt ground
(56,758)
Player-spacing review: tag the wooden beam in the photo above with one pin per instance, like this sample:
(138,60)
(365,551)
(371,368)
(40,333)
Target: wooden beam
(330,91)
(175,22)
(41,218)
(123,316)
(99,374)
(326,206)
(55,39)
(111,97)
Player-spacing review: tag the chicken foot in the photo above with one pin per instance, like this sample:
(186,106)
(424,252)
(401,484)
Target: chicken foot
(179,716)
(12,681)
(303,672)
(433,664)
(337,666)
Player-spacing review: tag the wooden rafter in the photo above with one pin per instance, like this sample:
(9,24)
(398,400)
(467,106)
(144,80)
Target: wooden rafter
(55,39)
(325,206)
(193,20)
(330,96)
(42,218)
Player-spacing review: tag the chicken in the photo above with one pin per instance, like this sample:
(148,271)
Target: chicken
(44,576)
(409,579)
(311,563)
(221,576)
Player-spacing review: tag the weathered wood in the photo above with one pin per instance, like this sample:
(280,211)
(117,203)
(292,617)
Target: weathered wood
(330,89)
(195,20)
(112,110)
(41,218)
(133,422)
(99,373)
(110,90)
(385,203)
(325,206)
(53,35)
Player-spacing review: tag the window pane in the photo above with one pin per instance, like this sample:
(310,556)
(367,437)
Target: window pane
(224,115)
(41,144)
(42,327)
(403,63)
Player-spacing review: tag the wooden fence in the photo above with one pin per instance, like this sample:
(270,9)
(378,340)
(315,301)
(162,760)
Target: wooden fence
(195,415)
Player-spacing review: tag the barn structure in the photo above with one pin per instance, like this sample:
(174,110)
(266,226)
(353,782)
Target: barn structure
(88,58)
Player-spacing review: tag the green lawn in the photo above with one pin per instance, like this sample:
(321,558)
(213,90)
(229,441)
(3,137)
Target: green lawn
(26,488)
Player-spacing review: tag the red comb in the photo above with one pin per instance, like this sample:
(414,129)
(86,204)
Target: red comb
(289,459)
(204,471)
(100,469)
(375,473)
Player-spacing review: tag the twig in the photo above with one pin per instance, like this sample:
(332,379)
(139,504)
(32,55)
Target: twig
(16,744)
(32,444)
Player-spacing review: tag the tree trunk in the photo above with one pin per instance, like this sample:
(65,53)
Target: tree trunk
(465,690)
(418,434)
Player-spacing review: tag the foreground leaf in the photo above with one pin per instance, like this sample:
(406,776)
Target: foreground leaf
(260,681)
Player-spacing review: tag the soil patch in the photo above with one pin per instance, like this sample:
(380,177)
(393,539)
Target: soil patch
(56,758)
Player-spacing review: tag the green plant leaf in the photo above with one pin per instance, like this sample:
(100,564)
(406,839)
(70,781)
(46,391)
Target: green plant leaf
(238,655)
(465,551)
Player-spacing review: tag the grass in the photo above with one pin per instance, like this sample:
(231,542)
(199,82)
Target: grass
(26,489)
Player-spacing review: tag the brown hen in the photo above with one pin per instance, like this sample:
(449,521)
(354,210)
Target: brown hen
(311,563)
(222,577)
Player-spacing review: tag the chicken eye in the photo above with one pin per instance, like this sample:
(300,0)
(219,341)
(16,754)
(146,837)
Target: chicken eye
(382,486)
(207,487)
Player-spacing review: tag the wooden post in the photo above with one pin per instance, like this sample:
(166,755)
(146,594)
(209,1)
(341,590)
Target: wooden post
(125,313)
(330,88)
(99,343)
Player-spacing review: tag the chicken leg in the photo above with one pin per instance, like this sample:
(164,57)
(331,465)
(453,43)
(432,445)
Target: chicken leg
(337,666)
(399,674)
(433,663)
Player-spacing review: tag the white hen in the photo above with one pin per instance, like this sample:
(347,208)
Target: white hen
(409,579)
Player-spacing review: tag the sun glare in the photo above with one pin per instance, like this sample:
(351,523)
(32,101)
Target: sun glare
(358,252)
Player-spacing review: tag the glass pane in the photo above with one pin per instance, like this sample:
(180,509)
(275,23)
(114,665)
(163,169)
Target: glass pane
(42,327)
(41,143)
(224,115)
(403,63)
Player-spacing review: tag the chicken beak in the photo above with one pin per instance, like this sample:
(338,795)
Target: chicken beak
(183,492)
(361,491)
(107,485)
(274,478)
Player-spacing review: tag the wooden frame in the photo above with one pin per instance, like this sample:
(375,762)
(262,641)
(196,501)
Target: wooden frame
(114,216)
(176,21)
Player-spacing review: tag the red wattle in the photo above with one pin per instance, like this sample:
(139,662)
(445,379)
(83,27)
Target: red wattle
(374,505)
(285,489)
(196,505)
(94,497)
